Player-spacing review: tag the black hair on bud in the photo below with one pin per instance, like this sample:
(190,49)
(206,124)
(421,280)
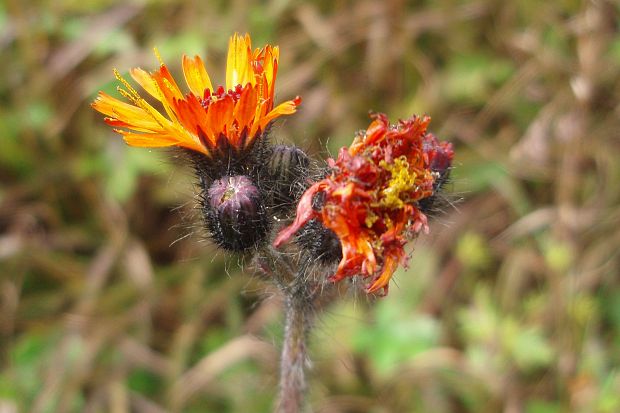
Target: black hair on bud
(288,172)
(234,194)
(434,204)
(234,213)
(318,242)
(440,167)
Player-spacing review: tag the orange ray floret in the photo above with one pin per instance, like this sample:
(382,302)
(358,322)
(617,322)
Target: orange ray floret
(369,200)
(204,117)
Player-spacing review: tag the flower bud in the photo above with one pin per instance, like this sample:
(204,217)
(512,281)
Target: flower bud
(234,213)
(288,170)
(320,243)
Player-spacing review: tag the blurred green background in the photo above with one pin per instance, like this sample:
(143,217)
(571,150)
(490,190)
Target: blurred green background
(112,300)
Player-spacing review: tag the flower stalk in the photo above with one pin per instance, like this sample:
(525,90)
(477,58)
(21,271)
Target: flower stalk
(293,279)
(299,314)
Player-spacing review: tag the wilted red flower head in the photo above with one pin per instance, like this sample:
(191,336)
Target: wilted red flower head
(370,198)
(205,118)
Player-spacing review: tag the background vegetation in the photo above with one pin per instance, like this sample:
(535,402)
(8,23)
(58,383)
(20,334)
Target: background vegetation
(112,301)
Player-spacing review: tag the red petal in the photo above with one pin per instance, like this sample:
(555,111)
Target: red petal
(305,213)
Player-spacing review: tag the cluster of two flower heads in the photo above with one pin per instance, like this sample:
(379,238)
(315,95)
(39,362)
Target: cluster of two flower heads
(360,210)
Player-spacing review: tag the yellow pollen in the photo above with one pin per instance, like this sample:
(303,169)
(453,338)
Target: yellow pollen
(158,56)
(371,218)
(403,180)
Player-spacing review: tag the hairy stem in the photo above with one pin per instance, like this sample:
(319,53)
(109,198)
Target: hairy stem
(299,313)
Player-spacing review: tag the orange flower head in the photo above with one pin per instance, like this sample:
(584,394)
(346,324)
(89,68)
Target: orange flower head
(206,119)
(370,197)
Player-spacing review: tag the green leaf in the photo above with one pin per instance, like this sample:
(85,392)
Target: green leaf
(470,78)
(397,337)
